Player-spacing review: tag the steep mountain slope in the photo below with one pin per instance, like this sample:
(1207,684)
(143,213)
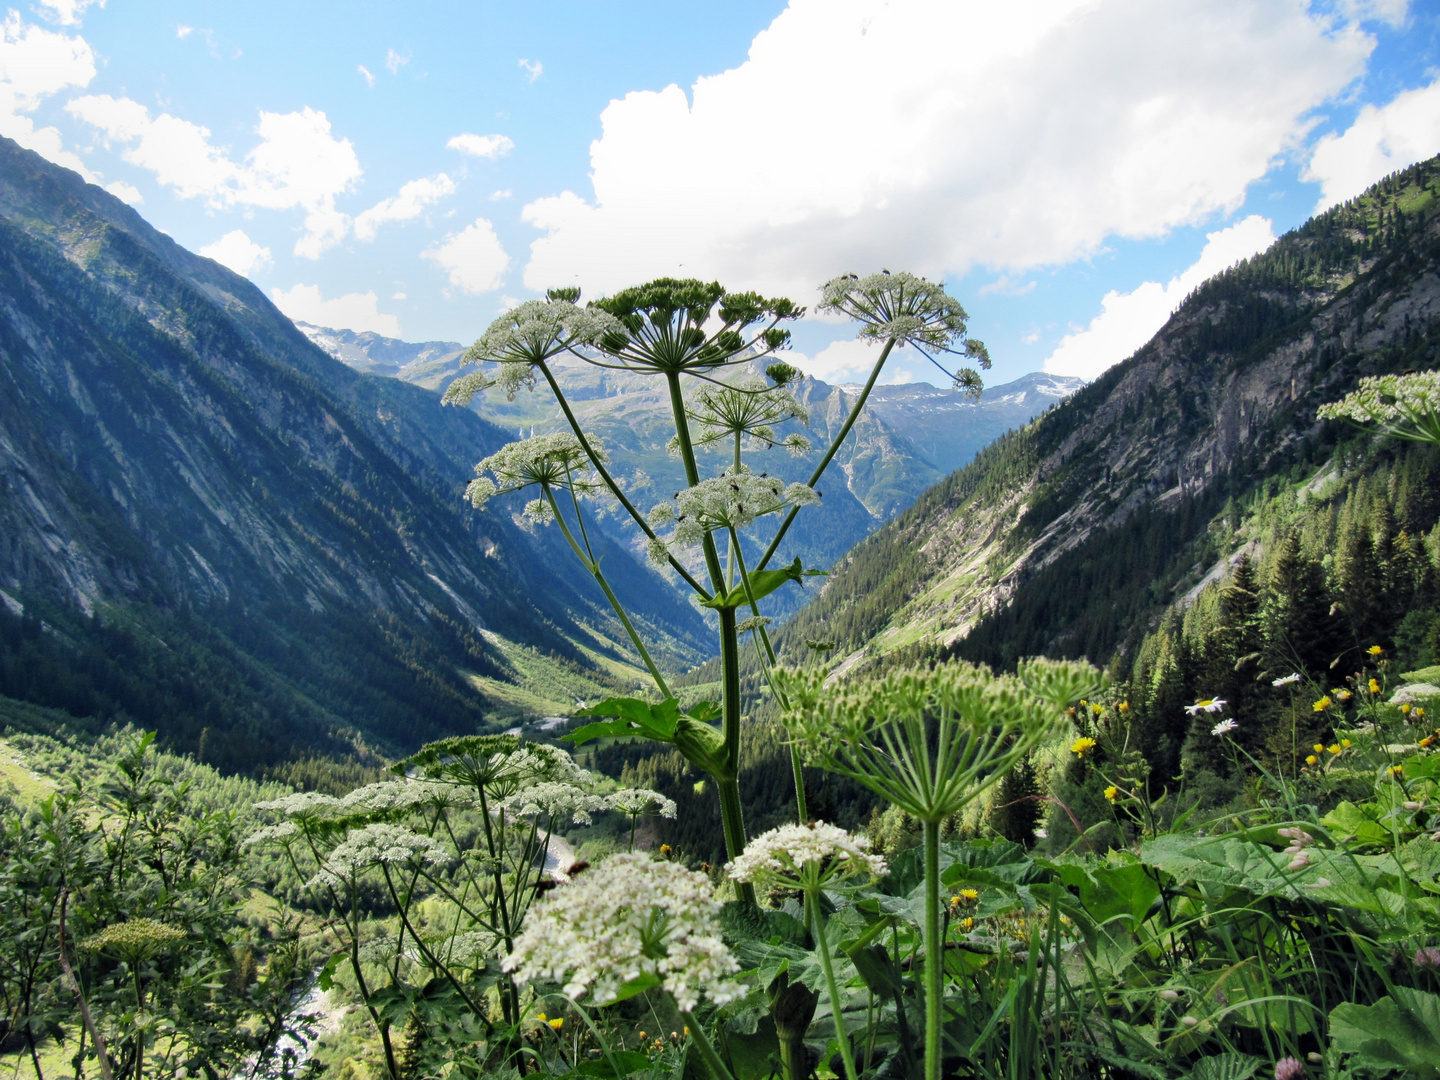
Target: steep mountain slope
(274,545)
(1070,535)
(909,438)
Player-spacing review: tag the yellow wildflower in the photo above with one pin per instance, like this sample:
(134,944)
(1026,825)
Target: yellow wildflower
(1323,704)
(1124,706)
(1312,760)
(1405,707)
(1427,740)
(1374,686)
(1395,770)
(1419,712)
(1081,745)
(967,923)
(1343,695)
(1319,748)
(1112,792)
(557,1023)
(540,1016)
(1334,749)
(1374,650)
(1097,709)
(664,849)
(970,894)
(1345,743)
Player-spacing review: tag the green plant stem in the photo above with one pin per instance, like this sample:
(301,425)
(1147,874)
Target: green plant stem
(594,567)
(829,454)
(692,473)
(707,1051)
(934,952)
(822,946)
(609,481)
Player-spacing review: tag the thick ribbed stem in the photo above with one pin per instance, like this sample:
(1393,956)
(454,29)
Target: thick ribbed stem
(934,952)
(822,946)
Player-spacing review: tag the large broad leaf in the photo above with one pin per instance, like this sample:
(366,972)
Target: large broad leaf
(1348,820)
(762,583)
(619,1063)
(1399,1031)
(1118,890)
(634,718)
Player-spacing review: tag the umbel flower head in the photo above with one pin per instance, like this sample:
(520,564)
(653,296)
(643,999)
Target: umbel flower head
(134,939)
(748,409)
(526,335)
(379,844)
(810,856)
(550,461)
(627,924)
(672,325)
(930,739)
(552,799)
(495,766)
(1400,406)
(906,309)
(733,499)
(637,801)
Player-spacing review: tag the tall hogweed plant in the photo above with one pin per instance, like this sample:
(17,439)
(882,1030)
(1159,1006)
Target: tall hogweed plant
(1293,938)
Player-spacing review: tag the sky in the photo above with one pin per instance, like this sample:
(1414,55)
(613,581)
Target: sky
(1071,169)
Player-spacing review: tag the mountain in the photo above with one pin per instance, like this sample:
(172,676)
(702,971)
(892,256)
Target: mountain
(210,526)
(909,438)
(1071,535)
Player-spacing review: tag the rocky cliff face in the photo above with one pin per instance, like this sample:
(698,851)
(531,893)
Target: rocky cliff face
(1097,504)
(170,442)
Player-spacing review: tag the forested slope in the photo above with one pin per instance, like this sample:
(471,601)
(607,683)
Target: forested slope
(1072,535)
(211,527)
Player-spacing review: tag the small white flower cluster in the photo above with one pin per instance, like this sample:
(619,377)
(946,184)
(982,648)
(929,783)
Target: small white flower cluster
(552,461)
(627,918)
(395,796)
(376,844)
(304,805)
(552,799)
(637,801)
(1299,841)
(1403,405)
(525,335)
(733,499)
(281,834)
(783,854)
(747,409)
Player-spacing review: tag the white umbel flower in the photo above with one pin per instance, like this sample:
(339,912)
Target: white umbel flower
(626,919)
(375,845)
(803,856)
(303,805)
(555,461)
(1401,406)
(637,801)
(399,796)
(733,499)
(554,800)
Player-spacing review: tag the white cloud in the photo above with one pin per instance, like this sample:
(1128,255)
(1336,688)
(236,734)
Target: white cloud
(482,146)
(473,257)
(498,196)
(298,163)
(238,252)
(1128,320)
(353,311)
(533,69)
(395,61)
(397,296)
(1386,11)
(412,200)
(1056,126)
(182,31)
(1380,141)
(34,64)
(369,79)
(127,193)
(68,12)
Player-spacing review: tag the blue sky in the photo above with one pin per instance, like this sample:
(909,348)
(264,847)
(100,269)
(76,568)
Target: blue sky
(1071,167)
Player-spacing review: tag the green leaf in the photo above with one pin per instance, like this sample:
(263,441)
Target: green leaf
(625,1061)
(762,583)
(326,978)
(1401,1030)
(1231,1066)
(637,985)
(634,719)
(1348,820)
